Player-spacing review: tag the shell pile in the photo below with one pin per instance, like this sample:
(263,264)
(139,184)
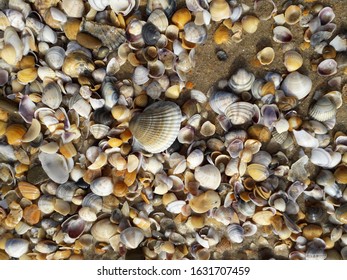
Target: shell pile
(150,167)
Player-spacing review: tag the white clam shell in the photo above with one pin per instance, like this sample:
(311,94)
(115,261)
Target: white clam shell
(16,247)
(220,100)
(102,186)
(131,237)
(322,158)
(157,127)
(304,139)
(296,84)
(99,5)
(208,176)
(52,96)
(195,158)
(55,57)
(55,166)
(240,112)
(235,233)
(327,67)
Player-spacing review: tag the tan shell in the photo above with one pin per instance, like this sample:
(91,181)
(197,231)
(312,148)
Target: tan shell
(258,172)
(28,190)
(205,201)
(266,56)
(15,133)
(157,127)
(103,230)
(71,28)
(27,75)
(77,63)
(292,60)
(219,10)
(250,24)
(292,14)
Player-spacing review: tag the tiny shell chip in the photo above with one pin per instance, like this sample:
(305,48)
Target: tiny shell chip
(102,186)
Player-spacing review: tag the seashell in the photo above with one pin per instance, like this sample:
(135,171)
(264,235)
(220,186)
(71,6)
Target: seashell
(266,56)
(219,10)
(258,172)
(292,60)
(77,63)
(205,202)
(250,24)
(87,214)
(16,247)
(73,227)
(314,214)
(296,84)
(157,127)
(168,6)
(46,247)
(339,44)
(207,129)
(323,110)
(235,233)
(326,15)
(150,34)
(99,5)
(88,41)
(27,75)
(14,134)
(263,218)
(9,55)
(46,203)
(181,17)
(28,190)
(3,77)
(282,34)
(341,213)
(66,191)
(55,167)
(159,19)
(123,7)
(156,69)
(55,57)
(259,132)
(140,75)
(52,95)
(221,35)
(195,158)
(74,9)
(208,176)
(240,112)
(241,81)
(109,92)
(47,35)
(175,207)
(292,14)
(196,34)
(32,214)
(132,237)
(99,131)
(327,67)
(102,186)
(305,139)
(15,19)
(341,174)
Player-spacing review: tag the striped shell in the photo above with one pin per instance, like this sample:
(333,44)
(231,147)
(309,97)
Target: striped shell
(240,112)
(157,127)
(220,100)
(323,110)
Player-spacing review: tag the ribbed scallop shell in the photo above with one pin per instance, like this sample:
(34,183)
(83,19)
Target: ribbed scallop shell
(323,110)
(240,112)
(157,127)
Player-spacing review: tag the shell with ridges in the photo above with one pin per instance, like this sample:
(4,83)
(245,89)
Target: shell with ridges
(157,127)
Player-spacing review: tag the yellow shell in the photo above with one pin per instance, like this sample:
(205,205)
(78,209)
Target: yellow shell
(250,24)
(258,172)
(27,75)
(266,56)
(294,123)
(68,150)
(292,60)
(71,28)
(205,201)
(28,190)
(27,62)
(341,174)
(292,14)
(88,41)
(181,17)
(312,231)
(120,189)
(15,133)
(8,53)
(221,35)
(77,63)
(3,126)
(259,132)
